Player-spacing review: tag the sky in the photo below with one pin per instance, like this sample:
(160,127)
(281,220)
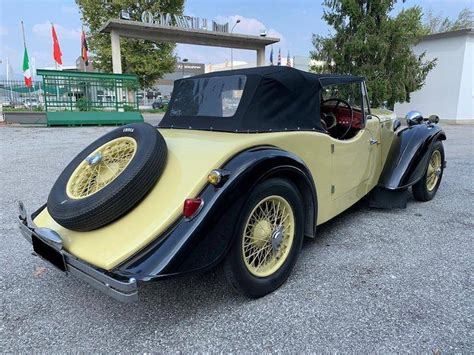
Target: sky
(293,21)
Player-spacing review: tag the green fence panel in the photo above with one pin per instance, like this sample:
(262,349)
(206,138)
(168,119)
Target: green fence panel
(92,118)
(82,91)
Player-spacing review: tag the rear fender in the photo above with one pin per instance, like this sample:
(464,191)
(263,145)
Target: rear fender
(408,156)
(202,242)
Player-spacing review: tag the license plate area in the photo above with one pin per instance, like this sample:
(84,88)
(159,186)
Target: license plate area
(48,253)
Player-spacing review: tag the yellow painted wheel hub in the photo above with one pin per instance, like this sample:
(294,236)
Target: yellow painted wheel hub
(434,170)
(268,236)
(101,167)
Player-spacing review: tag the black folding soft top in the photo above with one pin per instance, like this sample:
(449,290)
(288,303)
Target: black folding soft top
(263,99)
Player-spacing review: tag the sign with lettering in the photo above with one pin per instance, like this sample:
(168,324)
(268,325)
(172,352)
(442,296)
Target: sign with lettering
(182,21)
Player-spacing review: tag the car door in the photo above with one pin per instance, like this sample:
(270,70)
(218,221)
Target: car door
(355,161)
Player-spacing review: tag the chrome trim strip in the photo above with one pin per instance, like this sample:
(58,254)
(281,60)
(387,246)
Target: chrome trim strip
(120,290)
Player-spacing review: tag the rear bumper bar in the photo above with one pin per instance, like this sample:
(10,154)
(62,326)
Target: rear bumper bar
(124,291)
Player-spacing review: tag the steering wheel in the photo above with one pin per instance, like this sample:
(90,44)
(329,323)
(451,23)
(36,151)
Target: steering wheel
(338,101)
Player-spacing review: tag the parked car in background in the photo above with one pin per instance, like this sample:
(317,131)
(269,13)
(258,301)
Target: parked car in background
(243,165)
(6,102)
(31,103)
(160,103)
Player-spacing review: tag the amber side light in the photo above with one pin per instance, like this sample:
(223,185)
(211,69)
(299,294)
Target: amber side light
(214,177)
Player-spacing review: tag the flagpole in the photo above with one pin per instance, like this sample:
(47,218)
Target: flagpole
(82,40)
(23,31)
(24,44)
(8,80)
(82,31)
(55,65)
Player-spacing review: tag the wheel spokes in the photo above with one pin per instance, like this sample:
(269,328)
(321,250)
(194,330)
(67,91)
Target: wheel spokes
(434,170)
(268,236)
(89,178)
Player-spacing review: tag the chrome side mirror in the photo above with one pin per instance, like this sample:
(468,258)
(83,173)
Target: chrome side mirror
(396,124)
(414,118)
(433,119)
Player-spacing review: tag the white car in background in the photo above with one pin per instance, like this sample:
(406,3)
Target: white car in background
(31,103)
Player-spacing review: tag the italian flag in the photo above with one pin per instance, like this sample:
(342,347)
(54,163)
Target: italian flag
(26,69)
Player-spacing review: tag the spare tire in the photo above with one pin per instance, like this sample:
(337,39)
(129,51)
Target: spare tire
(108,178)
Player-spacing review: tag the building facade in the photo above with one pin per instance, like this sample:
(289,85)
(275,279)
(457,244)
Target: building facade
(449,88)
(164,86)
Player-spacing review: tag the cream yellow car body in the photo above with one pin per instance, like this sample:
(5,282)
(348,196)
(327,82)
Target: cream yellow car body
(192,154)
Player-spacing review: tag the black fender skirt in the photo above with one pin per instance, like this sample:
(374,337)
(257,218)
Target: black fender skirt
(202,242)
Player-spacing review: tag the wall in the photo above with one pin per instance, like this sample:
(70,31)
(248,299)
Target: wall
(448,91)
(466,91)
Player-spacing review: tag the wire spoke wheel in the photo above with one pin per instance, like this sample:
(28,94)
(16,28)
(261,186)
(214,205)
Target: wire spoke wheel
(108,178)
(101,167)
(434,170)
(268,236)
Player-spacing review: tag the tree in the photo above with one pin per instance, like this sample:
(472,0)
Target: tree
(367,41)
(438,23)
(148,60)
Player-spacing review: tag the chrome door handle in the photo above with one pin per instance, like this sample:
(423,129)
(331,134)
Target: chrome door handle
(373,141)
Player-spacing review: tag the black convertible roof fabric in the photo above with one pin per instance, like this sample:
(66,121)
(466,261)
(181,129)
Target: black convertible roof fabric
(275,98)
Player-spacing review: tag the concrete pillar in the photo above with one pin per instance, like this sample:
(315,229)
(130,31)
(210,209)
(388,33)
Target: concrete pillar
(261,57)
(116,56)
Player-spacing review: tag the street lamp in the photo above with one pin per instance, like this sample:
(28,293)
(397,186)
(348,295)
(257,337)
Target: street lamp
(185,60)
(182,60)
(232,49)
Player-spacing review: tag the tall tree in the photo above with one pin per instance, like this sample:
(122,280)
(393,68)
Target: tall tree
(148,60)
(368,41)
(439,23)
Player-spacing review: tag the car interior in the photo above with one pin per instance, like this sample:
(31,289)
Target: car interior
(342,116)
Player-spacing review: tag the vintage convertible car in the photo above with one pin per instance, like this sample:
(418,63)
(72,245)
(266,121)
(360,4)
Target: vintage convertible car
(243,166)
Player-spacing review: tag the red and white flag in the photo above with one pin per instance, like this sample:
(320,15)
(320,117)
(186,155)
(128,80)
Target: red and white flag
(56,49)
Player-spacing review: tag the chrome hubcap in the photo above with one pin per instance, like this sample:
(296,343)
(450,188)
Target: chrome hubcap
(94,159)
(277,237)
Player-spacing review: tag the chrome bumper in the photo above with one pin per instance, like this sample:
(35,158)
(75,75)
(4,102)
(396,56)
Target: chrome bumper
(120,290)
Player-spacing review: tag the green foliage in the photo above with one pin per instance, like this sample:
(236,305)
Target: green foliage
(129,108)
(83,104)
(367,41)
(438,23)
(148,60)
(23,109)
(152,110)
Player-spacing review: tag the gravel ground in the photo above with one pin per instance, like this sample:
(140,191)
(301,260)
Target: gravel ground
(372,280)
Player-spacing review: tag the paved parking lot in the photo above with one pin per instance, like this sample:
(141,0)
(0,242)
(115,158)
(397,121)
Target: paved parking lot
(373,280)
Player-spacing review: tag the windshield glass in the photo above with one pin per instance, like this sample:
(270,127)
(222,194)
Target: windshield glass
(212,96)
(350,92)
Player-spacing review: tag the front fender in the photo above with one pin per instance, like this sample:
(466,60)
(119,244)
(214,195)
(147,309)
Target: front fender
(200,243)
(408,155)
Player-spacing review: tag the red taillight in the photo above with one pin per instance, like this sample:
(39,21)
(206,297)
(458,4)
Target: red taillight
(191,206)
